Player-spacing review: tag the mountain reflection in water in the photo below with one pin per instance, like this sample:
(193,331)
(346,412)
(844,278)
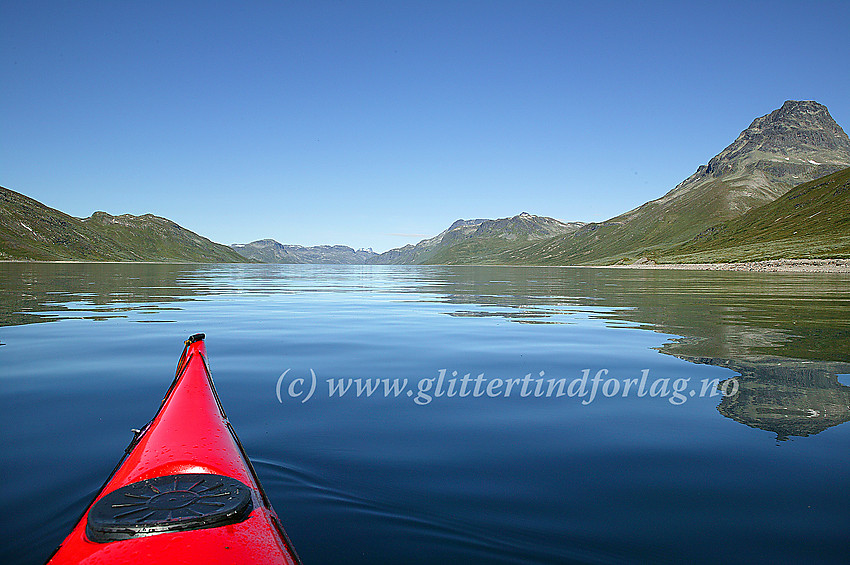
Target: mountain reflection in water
(786,396)
(787,335)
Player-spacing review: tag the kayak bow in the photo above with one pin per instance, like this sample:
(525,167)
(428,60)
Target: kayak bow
(184,492)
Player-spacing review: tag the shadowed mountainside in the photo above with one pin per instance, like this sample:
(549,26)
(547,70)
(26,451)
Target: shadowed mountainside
(29,230)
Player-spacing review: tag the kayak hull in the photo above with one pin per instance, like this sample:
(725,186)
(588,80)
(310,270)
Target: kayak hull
(191,444)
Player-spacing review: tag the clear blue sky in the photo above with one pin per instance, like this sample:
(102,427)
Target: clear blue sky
(374,124)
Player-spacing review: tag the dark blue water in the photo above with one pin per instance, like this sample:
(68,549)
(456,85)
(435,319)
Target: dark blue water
(761,475)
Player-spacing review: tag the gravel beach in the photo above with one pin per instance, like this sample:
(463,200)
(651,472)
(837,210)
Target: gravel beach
(775,265)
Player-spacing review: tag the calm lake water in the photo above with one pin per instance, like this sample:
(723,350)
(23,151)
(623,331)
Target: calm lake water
(670,470)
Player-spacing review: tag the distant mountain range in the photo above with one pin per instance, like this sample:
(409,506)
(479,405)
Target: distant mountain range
(270,251)
(475,238)
(31,230)
(739,206)
(466,235)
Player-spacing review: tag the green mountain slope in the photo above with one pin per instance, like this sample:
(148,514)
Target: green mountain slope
(809,221)
(798,142)
(32,231)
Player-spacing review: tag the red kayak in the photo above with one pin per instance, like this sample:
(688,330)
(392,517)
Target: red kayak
(185,492)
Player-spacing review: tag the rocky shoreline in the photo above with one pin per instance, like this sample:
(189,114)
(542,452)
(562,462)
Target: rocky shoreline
(771,266)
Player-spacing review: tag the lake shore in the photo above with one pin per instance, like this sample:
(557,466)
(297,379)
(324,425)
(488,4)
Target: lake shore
(771,266)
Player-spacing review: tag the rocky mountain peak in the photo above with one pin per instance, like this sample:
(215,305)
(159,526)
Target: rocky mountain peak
(798,123)
(791,145)
(801,130)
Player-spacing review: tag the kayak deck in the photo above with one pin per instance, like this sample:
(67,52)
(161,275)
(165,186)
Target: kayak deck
(185,492)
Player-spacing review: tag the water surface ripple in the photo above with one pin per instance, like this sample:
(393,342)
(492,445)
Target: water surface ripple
(88,351)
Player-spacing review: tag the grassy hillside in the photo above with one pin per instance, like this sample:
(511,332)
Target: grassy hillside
(159,239)
(810,221)
(32,231)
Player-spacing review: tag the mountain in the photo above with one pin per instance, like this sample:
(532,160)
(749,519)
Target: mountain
(270,251)
(797,143)
(474,241)
(32,231)
(809,221)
